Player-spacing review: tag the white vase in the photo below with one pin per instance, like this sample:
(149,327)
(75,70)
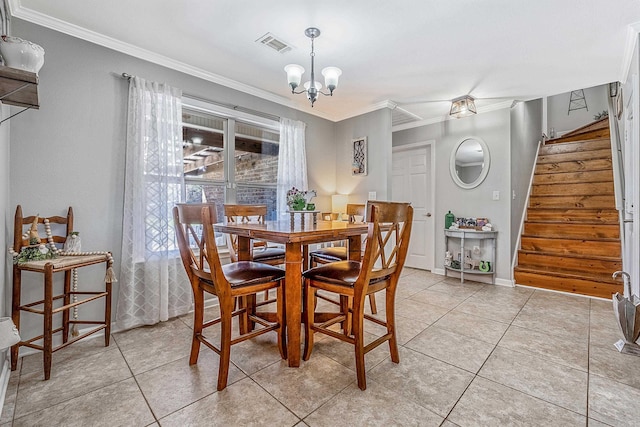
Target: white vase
(22,54)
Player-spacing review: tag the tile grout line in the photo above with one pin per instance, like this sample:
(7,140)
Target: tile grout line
(475,375)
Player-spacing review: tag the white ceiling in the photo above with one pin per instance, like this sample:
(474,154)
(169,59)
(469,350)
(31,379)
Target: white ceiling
(417,54)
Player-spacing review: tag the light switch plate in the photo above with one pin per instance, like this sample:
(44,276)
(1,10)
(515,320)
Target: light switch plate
(372,195)
(496,195)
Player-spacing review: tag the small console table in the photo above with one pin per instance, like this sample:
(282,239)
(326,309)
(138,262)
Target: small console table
(463,240)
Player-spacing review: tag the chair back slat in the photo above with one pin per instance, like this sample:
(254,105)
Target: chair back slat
(243,213)
(220,283)
(387,242)
(354,209)
(190,236)
(246,213)
(59,233)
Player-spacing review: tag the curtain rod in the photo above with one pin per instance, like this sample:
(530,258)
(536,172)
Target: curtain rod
(222,104)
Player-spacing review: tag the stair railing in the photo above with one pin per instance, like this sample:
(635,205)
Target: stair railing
(523,218)
(617,163)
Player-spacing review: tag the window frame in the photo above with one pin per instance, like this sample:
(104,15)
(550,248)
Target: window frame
(231,116)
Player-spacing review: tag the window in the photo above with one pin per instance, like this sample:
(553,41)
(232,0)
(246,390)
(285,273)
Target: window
(229,157)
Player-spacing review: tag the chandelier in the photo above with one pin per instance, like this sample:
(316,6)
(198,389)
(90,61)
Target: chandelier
(463,106)
(312,87)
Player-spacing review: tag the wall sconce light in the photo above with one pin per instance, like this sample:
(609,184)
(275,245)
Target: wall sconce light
(463,106)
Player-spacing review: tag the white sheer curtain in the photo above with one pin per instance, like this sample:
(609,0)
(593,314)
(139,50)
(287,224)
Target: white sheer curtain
(292,160)
(153,284)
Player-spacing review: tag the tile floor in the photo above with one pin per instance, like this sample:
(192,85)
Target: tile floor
(471,355)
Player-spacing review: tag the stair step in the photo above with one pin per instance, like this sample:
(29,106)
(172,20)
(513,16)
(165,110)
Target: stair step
(592,134)
(566,283)
(566,189)
(576,146)
(574,166)
(591,247)
(574,157)
(569,263)
(572,231)
(582,215)
(568,202)
(573,177)
(603,123)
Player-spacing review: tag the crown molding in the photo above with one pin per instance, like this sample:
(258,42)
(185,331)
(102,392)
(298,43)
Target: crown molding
(373,107)
(629,50)
(493,107)
(34,17)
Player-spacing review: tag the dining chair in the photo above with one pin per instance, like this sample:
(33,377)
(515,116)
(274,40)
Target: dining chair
(336,253)
(260,250)
(239,280)
(339,253)
(384,256)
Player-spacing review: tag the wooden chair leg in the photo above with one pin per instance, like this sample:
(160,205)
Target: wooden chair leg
(15,313)
(198,318)
(391,328)
(107,315)
(48,320)
(225,345)
(280,316)
(66,301)
(251,309)
(372,303)
(345,304)
(243,318)
(358,335)
(309,314)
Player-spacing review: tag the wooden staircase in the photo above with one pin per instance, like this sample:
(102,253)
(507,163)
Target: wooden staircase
(571,237)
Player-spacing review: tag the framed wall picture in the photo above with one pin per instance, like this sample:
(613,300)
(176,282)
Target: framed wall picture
(359,163)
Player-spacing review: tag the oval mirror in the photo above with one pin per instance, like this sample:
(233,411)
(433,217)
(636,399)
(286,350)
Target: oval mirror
(470,162)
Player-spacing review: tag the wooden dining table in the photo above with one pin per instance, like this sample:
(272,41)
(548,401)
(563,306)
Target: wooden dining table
(295,238)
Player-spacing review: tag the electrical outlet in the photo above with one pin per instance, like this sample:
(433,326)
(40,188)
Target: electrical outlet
(496,195)
(372,195)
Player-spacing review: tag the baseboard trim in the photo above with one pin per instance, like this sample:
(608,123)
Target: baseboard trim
(502,282)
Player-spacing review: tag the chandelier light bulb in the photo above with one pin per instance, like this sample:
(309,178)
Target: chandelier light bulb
(331,75)
(294,75)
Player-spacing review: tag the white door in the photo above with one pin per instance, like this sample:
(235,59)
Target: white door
(412,181)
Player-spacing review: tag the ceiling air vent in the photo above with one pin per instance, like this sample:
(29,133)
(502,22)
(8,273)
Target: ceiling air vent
(274,43)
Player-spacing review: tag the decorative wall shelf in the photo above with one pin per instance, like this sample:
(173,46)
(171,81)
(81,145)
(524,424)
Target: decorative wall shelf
(19,88)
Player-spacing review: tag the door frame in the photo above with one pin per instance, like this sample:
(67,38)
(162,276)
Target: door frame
(430,144)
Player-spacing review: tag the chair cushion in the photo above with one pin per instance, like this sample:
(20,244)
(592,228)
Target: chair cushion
(64,262)
(338,253)
(245,273)
(342,273)
(268,254)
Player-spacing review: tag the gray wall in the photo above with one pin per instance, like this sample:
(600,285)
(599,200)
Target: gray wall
(493,128)
(376,126)
(558,106)
(71,151)
(526,132)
